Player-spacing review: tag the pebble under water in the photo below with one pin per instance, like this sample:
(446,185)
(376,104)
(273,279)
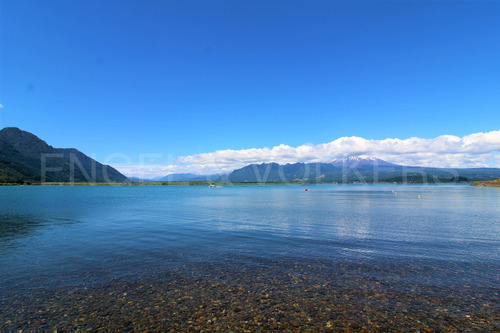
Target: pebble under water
(250,258)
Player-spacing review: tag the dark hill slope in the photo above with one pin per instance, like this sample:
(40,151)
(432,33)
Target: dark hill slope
(357,170)
(26,158)
(14,166)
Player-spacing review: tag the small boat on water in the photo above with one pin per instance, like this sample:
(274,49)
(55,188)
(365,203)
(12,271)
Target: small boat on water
(212,185)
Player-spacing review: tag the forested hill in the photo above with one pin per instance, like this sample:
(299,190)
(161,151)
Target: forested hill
(25,158)
(357,169)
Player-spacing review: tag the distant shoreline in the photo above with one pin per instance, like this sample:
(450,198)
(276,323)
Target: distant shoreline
(136,184)
(482,183)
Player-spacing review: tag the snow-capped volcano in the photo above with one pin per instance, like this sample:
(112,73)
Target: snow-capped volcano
(361,161)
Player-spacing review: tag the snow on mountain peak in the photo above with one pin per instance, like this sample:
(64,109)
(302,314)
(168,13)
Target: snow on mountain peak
(356,158)
(360,160)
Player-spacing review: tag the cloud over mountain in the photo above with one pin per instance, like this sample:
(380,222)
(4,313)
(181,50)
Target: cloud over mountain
(474,150)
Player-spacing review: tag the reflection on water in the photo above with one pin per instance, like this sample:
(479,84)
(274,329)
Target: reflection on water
(14,226)
(408,236)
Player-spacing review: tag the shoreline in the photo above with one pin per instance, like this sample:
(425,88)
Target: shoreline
(476,183)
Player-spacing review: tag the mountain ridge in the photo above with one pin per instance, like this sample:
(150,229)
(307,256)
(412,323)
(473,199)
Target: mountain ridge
(361,161)
(26,158)
(357,169)
(352,169)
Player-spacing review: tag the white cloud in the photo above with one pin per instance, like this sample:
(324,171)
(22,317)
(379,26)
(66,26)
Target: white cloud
(474,150)
(1,106)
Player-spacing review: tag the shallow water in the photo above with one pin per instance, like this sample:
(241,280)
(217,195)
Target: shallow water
(61,241)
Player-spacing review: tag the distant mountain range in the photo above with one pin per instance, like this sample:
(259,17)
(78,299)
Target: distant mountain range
(354,169)
(357,169)
(26,158)
(188,177)
(184,177)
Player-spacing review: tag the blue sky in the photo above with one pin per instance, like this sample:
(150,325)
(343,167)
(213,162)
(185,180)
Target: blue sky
(181,78)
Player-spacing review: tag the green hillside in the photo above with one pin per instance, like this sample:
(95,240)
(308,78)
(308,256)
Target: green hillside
(361,171)
(25,158)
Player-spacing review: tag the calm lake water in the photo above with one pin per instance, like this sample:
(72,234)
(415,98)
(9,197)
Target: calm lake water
(55,238)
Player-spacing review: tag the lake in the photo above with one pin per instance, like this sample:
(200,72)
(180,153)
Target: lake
(250,257)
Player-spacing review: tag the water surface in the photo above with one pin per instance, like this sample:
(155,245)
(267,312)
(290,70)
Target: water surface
(429,240)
